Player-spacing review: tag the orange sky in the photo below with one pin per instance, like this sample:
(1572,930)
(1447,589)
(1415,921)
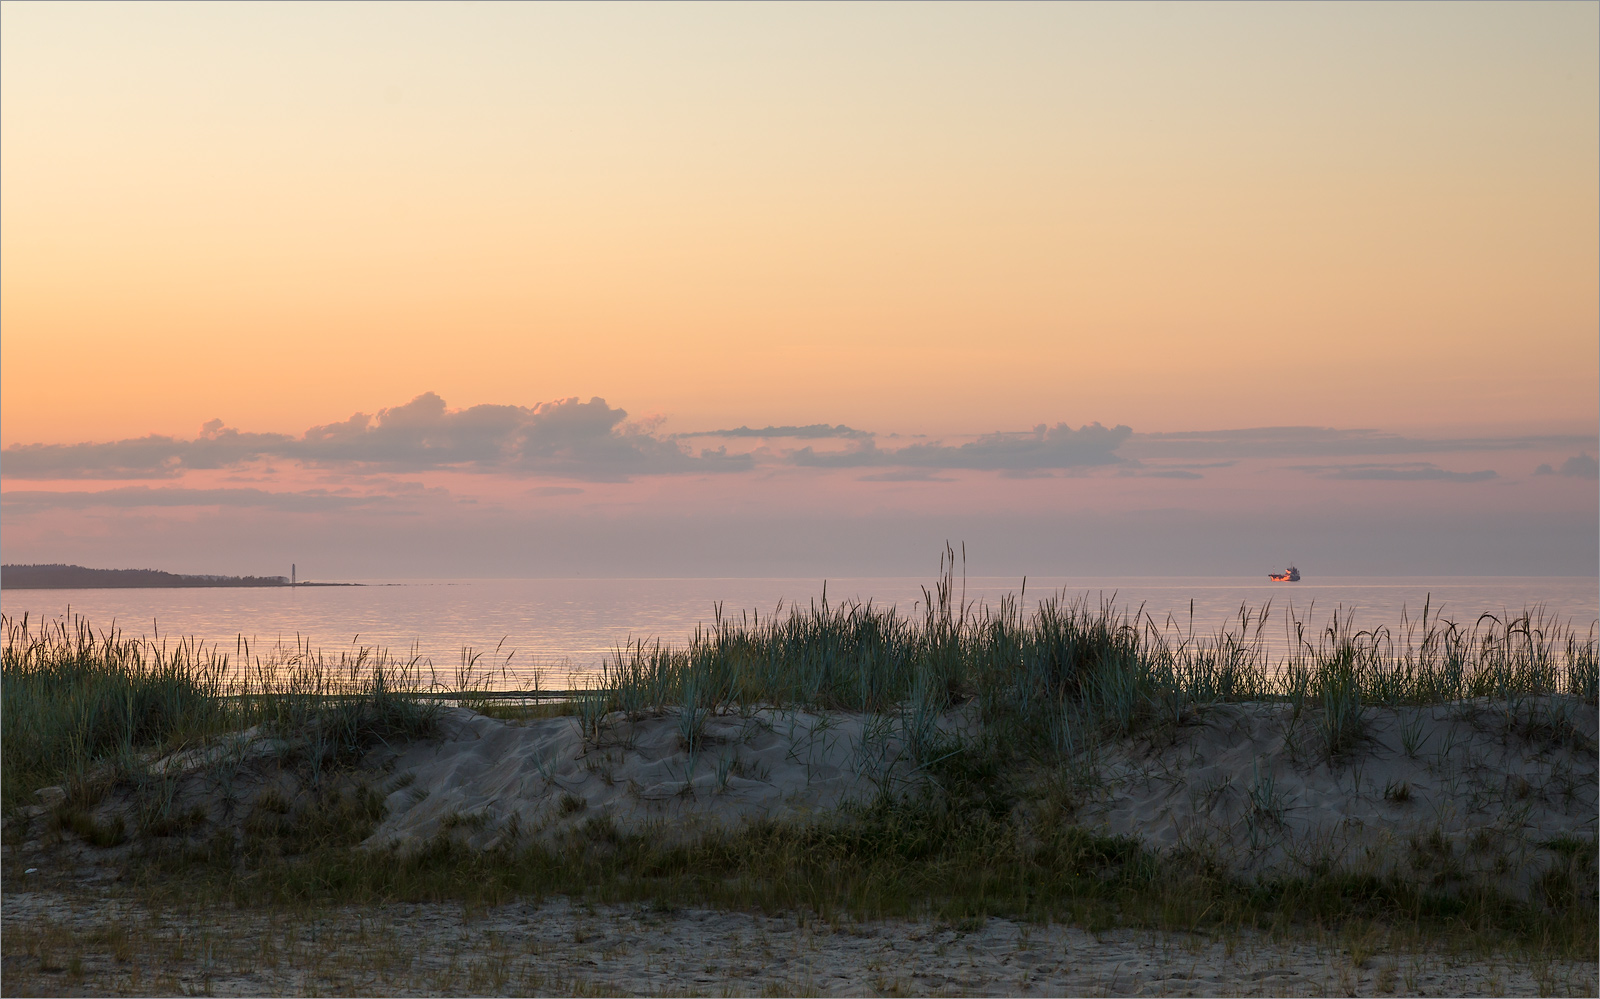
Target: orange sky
(926,223)
(933,219)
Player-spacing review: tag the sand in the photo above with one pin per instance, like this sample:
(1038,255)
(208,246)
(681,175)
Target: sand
(1489,786)
(538,777)
(1483,791)
(90,943)
(1487,791)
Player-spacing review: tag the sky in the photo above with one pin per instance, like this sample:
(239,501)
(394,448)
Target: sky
(465,290)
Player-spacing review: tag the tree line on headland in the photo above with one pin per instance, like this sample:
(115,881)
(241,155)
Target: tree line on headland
(72,577)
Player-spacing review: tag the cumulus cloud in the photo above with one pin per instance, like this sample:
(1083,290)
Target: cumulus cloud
(583,440)
(811,431)
(1320,442)
(1415,471)
(568,438)
(1044,447)
(1579,466)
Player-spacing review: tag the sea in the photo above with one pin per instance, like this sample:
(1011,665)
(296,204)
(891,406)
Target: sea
(556,633)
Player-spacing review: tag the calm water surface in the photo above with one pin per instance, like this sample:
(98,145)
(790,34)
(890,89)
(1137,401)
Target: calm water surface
(563,628)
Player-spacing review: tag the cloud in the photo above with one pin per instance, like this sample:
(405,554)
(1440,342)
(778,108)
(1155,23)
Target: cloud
(1415,471)
(592,441)
(813,430)
(554,491)
(573,439)
(584,440)
(1579,466)
(1044,447)
(150,457)
(311,500)
(1320,442)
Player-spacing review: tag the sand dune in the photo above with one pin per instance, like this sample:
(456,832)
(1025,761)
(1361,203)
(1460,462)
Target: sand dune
(1484,789)
(1482,792)
(1489,786)
(496,778)
(1493,791)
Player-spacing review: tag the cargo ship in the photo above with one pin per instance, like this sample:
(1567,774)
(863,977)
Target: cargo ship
(1289,575)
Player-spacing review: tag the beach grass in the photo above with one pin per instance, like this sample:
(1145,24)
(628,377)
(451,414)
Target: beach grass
(77,703)
(990,834)
(84,709)
(1052,683)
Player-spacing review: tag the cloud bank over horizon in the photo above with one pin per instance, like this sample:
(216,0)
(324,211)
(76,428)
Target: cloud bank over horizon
(1043,447)
(421,489)
(571,439)
(564,438)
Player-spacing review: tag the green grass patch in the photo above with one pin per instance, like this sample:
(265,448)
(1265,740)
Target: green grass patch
(74,699)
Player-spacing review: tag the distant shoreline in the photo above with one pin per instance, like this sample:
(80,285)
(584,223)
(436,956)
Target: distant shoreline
(77,577)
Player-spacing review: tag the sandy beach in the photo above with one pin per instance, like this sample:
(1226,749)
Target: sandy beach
(88,942)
